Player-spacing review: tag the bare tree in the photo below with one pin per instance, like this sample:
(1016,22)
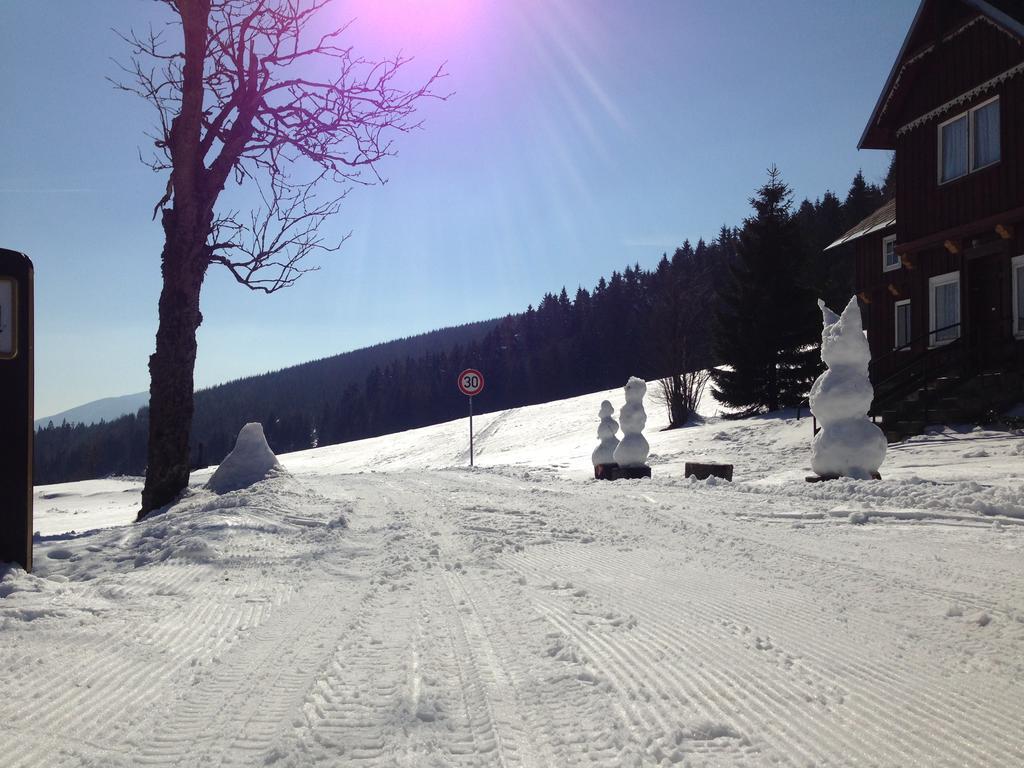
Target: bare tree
(687,286)
(680,393)
(249,91)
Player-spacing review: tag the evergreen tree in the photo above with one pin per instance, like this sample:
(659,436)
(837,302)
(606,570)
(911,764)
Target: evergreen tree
(862,200)
(830,274)
(889,184)
(766,323)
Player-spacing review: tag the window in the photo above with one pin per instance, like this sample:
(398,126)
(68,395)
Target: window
(969,142)
(1017,266)
(953,148)
(890,260)
(902,336)
(944,308)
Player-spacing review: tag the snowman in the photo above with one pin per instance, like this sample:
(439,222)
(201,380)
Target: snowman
(606,430)
(848,445)
(633,450)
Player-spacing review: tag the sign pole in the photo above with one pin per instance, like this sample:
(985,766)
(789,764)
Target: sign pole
(471,382)
(16,414)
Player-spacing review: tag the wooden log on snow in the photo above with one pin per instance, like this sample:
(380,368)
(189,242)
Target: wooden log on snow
(704,471)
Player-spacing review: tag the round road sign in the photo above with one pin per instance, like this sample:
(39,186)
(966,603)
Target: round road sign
(471,382)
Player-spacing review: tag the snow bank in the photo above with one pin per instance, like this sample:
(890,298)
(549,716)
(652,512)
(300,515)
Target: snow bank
(250,461)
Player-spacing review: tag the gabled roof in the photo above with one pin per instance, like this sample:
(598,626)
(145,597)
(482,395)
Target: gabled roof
(883,218)
(1007,14)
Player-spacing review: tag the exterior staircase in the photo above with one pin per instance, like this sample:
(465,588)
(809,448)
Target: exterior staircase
(954,396)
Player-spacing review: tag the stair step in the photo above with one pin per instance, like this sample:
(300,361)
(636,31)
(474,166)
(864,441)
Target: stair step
(910,427)
(952,398)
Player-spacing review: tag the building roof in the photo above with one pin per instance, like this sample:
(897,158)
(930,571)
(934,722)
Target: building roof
(883,218)
(1007,14)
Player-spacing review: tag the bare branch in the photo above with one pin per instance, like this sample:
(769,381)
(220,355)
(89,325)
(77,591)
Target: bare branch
(250,101)
(264,253)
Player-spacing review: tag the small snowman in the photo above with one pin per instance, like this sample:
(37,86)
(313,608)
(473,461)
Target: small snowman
(848,445)
(633,450)
(606,430)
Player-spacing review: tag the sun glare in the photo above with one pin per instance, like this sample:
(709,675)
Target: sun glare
(423,26)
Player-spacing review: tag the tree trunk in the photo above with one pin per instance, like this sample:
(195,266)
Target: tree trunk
(171,369)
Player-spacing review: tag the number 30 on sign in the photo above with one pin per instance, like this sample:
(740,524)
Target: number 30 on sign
(471,382)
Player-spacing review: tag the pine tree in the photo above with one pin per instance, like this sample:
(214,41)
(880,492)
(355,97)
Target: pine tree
(766,323)
(830,273)
(862,200)
(889,184)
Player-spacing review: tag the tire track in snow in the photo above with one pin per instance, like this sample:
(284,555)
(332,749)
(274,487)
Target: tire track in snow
(657,699)
(704,692)
(238,711)
(90,713)
(480,437)
(491,679)
(356,711)
(816,678)
(707,615)
(838,572)
(537,710)
(833,577)
(710,617)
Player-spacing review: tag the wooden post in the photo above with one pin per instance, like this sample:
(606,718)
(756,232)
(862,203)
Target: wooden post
(16,408)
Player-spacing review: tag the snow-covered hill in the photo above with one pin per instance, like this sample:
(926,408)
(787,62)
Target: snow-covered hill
(385,605)
(105,409)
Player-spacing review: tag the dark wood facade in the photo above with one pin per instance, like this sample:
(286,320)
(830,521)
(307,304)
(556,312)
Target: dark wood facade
(959,55)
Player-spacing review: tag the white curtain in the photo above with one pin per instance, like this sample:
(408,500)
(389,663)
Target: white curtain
(986,134)
(954,149)
(947,310)
(1019,283)
(902,325)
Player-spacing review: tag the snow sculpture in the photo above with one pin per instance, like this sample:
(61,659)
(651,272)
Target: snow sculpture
(604,453)
(848,445)
(633,450)
(250,461)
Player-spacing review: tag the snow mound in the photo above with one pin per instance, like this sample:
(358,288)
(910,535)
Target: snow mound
(250,461)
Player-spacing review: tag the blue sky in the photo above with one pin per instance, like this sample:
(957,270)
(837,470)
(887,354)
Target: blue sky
(581,136)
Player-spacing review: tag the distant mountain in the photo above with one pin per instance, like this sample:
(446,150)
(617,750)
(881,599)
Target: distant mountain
(106,409)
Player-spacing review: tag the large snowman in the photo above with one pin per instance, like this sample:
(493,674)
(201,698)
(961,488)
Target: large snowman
(633,450)
(848,445)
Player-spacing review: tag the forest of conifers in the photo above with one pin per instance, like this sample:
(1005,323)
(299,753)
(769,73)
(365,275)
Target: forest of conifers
(637,322)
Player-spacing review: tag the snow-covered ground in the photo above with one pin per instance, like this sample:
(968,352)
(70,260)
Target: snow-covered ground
(385,605)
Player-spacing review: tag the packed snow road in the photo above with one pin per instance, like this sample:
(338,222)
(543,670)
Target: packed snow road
(504,617)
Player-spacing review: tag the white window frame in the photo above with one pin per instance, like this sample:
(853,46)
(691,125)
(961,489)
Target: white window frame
(1016,263)
(933,283)
(970,141)
(886,266)
(896,326)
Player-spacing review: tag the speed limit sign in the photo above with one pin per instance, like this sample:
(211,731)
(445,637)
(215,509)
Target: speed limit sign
(471,382)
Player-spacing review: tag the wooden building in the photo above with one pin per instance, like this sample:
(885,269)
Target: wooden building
(940,269)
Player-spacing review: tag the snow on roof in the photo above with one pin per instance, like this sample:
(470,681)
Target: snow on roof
(883,218)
